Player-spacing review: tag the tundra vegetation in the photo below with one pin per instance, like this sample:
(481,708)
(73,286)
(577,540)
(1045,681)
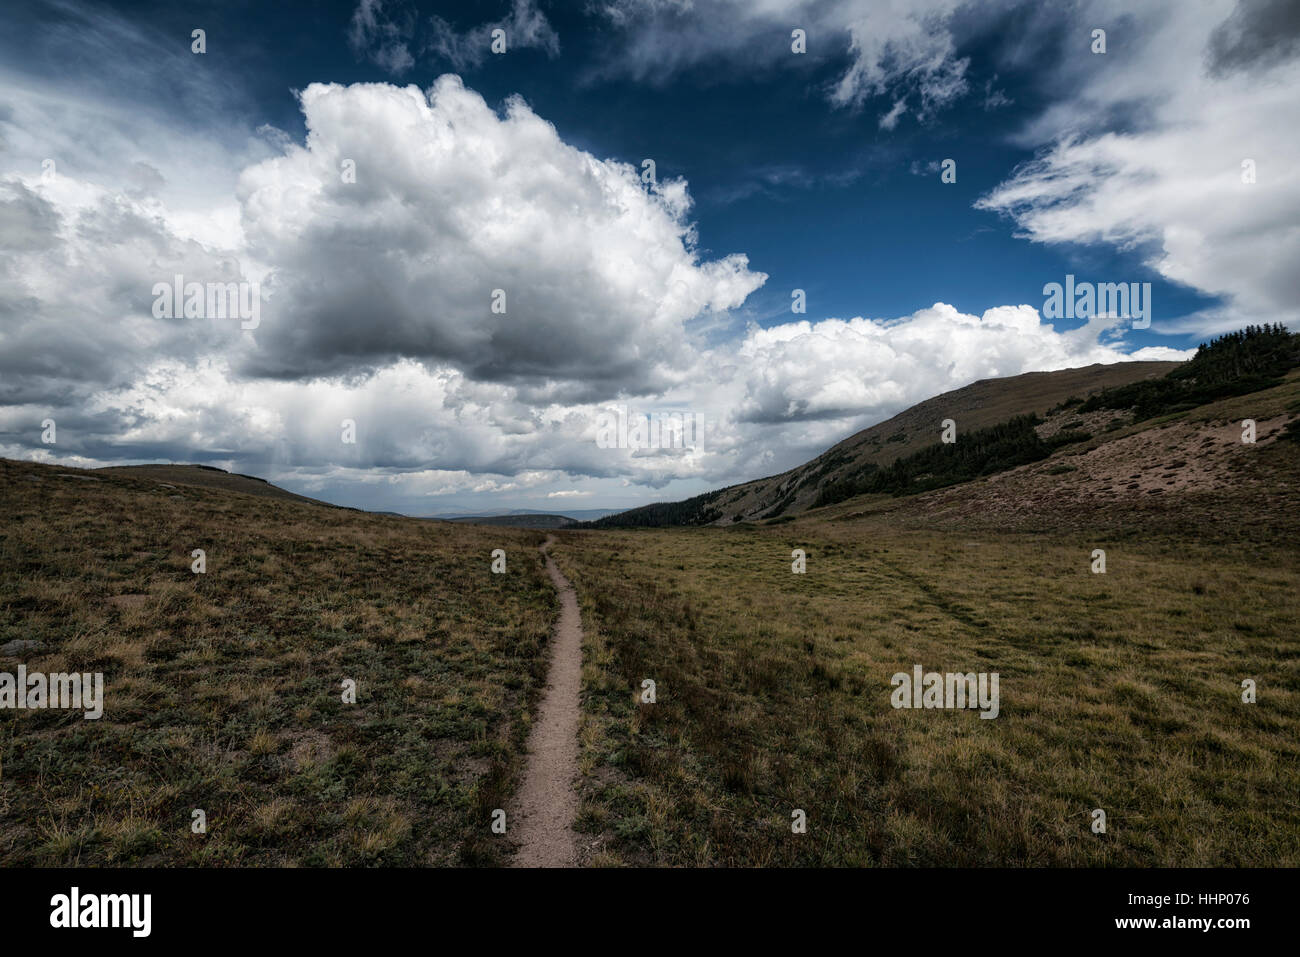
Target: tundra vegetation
(223,689)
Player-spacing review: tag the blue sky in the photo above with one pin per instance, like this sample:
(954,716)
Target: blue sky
(775,171)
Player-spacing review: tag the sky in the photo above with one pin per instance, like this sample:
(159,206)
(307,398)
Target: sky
(780,220)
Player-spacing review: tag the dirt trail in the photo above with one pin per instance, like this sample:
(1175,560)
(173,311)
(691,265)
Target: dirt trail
(547,803)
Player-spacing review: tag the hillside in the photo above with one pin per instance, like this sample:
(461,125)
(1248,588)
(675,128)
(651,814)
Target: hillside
(1175,446)
(222,691)
(1188,471)
(981,404)
(206,476)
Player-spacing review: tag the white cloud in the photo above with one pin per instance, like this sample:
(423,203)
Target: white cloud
(896,43)
(857,369)
(1140,147)
(890,119)
(782,396)
(1169,181)
(378,310)
(452,202)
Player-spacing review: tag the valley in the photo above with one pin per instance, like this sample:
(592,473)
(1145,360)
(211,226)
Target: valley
(348,688)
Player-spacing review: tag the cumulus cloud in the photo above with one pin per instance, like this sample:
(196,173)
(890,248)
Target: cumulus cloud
(376,304)
(377,300)
(78,264)
(427,433)
(452,203)
(862,368)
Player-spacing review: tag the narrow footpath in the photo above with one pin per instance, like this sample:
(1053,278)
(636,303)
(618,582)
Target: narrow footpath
(547,803)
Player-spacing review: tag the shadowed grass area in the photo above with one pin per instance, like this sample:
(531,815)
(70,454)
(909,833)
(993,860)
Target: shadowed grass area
(223,690)
(1120,691)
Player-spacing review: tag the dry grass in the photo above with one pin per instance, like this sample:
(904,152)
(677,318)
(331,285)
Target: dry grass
(222,690)
(1119,691)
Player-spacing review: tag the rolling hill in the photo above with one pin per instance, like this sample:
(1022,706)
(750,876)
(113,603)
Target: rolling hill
(207,476)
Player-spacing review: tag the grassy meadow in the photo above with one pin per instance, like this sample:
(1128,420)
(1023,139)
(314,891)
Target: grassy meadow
(223,690)
(1119,691)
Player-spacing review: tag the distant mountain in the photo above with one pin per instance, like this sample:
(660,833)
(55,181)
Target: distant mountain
(530,520)
(482,517)
(590,514)
(527,518)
